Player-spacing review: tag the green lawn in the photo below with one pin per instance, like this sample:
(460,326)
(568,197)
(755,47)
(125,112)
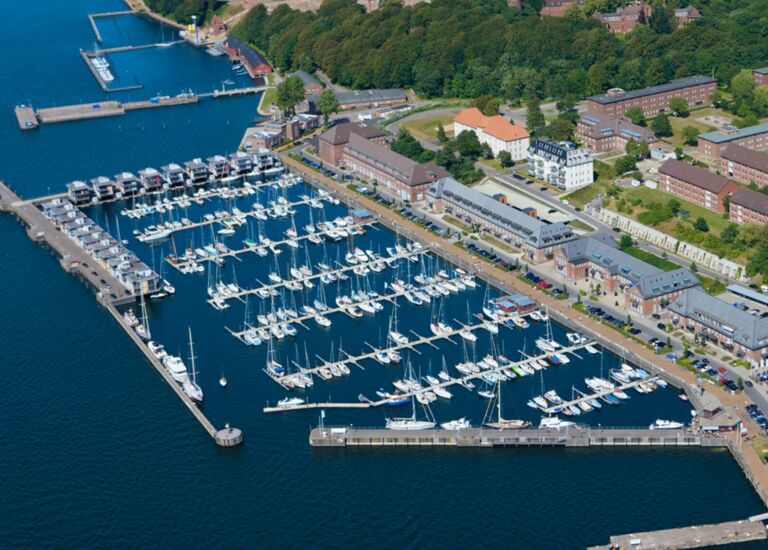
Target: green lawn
(269,99)
(650,258)
(678,124)
(426,128)
(493,163)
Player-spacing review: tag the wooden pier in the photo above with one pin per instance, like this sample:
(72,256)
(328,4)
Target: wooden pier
(529,437)
(697,536)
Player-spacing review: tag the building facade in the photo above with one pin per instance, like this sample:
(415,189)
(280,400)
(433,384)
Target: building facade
(695,184)
(744,165)
(368,99)
(558,8)
(696,90)
(601,133)
(752,137)
(495,131)
(330,144)
(393,174)
(684,16)
(748,206)
(647,290)
(624,19)
(253,61)
(718,322)
(560,164)
(760,76)
(535,238)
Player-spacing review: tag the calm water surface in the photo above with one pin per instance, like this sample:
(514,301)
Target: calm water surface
(97,451)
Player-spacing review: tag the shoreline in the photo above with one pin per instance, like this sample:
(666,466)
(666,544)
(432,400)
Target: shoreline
(140,8)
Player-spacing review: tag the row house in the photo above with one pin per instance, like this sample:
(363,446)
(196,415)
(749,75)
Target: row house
(696,90)
(714,143)
(495,131)
(600,133)
(647,290)
(560,164)
(393,173)
(744,165)
(748,206)
(535,238)
(695,184)
(720,323)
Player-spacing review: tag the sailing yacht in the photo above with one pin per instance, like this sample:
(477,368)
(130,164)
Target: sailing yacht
(190,386)
(501,423)
(410,423)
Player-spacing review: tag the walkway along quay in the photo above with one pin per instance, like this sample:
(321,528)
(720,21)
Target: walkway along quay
(526,437)
(92,20)
(110,293)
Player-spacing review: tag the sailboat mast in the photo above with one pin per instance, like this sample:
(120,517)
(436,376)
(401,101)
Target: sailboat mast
(192,355)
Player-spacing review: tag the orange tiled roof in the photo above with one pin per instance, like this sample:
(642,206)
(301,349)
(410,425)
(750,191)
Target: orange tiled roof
(496,126)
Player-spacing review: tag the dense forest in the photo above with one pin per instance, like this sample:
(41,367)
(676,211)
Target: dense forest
(183,10)
(466,48)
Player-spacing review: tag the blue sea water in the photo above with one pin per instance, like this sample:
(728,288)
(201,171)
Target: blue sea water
(97,452)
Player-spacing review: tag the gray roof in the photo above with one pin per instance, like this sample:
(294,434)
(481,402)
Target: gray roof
(402,168)
(732,133)
(753,200)
(535,232)
(745,329)
(650,281)
(601,126)
(371,96)
(565,152)
(698,177)
(340,133)
(306,78)
(671,86)
(763,70)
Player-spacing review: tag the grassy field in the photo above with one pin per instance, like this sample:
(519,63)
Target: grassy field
(760,445)
(581,197)
(650,258)
(493,163)
(677,128)
(426,128)
(269,99)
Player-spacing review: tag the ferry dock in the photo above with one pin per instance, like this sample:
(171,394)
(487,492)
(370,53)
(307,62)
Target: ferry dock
(110,293)
(325,436)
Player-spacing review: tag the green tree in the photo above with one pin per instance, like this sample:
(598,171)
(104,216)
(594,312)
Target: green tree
(468,145)
(328,104)
(701,225)
(597,78)
(674,206)
(625,164)
(679,106)
(743,85)
(760,100)
(487,104)
(559,130)
(441,136)
(505,158)
(406,145)
(636,115)
(660,20)
(534,120)
(660,125)
(626,242)
(690,135)
(679,153)
(290,92)
(730,233)
(643,151)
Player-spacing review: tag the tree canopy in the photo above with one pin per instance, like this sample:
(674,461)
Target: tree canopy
(468,48)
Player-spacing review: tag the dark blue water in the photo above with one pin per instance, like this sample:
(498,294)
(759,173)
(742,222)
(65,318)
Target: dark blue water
(97,451)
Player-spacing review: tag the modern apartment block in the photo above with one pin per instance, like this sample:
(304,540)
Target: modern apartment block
(696,90)
(560,164)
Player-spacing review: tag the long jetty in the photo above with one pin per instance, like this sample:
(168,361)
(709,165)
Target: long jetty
(527,437)
(110,292)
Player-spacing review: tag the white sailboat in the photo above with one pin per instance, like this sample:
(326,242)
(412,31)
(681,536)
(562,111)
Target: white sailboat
(189,385)
(410,423)
(501,423)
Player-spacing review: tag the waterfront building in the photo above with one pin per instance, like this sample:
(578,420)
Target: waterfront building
(127,184)
(79,192)
(646,289)
(696,90)
(331,142)
(151,180)
(560,164)
(695,184)
(495,131)
(720,323)
(744,165)
(103,188)
(197,171)
(752,137)
(174,175)
(600,133)
(253,61)
(748,206)
(394,174)
(535,238)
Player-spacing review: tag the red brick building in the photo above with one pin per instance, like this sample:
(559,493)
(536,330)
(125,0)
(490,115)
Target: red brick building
(696,90)
(558,8)
(744,165)
(601,133)
(330,144)
(752,137)
(624,19)
(695,184)
(394,174)
(748,206)
(646,289)
(253,61)
(761,76)
(683,16)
